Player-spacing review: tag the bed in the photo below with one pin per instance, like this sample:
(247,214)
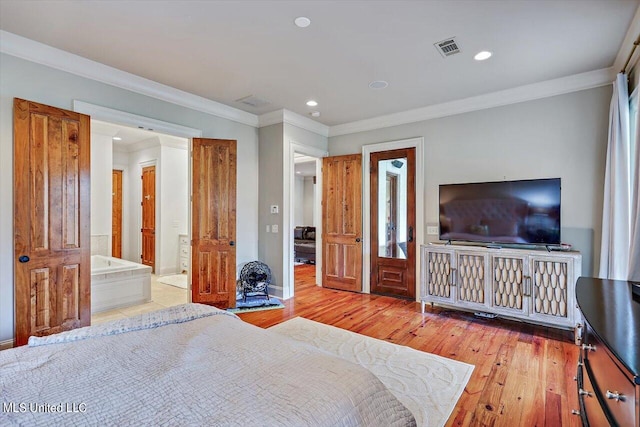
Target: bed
(187,365)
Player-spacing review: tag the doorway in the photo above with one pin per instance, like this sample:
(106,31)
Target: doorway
(148,230)
(393,217)
(419,227)
(305,247)
(116,214)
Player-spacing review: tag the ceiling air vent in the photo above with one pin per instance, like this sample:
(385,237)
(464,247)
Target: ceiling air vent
(253,101)
(448,47)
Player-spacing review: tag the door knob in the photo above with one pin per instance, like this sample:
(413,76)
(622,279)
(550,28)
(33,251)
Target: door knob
(23,259)
(232,243)
(410,234)
(357,240)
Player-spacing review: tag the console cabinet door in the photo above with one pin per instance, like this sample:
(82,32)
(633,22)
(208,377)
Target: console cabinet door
(510,284)
(439,275)
(551,300)
(471,279)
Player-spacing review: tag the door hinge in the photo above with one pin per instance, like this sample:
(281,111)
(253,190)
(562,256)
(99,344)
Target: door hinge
(141,230)
(140,256)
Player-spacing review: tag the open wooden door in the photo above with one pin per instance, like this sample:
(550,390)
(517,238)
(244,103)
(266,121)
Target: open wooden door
(51,220)
(116,214)
(213,233)
(148,229)
(342,222)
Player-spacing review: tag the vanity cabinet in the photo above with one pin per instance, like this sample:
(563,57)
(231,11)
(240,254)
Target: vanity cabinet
(183,253)
(536,286)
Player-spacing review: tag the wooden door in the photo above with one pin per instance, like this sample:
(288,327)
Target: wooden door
(116,214)
(393,222)
(51,220)
(148,229)
(342,222)
(213,233)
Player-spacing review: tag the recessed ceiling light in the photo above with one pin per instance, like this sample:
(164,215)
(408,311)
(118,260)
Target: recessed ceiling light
(378,84)
(302,21)
(312,103)
(481,56)
(315,114)
(117,138)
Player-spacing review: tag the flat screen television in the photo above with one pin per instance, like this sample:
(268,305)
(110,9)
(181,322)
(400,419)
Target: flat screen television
(505,212)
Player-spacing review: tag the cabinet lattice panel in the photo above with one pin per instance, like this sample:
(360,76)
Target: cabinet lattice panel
(550,285)
(471,278)
(439,272)
(507,282)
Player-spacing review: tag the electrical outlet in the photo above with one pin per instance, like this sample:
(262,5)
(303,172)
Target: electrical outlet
(268,228)
(274,228)
(432,229)
(274,209)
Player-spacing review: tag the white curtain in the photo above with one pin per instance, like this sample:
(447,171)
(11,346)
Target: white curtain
(616,214)
(634,254)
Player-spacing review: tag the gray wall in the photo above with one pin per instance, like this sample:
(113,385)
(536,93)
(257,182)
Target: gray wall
(24,79)
(563,136)
(270,249)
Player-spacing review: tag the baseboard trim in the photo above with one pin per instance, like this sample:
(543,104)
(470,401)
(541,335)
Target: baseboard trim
(6,344)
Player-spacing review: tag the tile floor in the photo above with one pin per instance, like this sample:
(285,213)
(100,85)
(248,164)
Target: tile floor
(161,296)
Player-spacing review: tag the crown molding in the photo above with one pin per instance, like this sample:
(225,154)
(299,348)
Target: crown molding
(110,115)
(40,53)
(295,119)
(515,95)
(272,118)
(627,44)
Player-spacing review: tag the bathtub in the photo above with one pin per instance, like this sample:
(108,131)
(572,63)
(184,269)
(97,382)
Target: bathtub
(117,283)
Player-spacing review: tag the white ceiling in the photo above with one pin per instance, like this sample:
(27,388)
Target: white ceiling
(226,50)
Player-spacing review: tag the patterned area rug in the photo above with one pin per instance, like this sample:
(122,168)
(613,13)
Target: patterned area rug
(256,304)
(427,384)
(177,280)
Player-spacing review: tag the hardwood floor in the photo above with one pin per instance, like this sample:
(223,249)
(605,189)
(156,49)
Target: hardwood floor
(523,374)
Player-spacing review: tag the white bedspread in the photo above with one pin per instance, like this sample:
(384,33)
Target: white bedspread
(214,370)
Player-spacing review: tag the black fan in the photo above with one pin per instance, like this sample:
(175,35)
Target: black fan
(255,278)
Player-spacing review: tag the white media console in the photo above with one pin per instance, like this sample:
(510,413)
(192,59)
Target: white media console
(531,285)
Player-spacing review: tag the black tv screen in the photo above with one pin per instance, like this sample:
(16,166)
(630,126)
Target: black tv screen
(506,212)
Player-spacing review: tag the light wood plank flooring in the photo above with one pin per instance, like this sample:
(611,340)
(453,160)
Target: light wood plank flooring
(523,374)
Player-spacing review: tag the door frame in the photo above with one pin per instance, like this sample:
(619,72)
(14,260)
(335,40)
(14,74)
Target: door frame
(157,240)
(97,112)
(418,144)
(289,179)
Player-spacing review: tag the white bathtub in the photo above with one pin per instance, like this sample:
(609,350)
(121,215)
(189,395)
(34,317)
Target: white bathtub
(116,283)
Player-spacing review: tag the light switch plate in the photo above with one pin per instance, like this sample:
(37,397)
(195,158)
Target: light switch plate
(432,229)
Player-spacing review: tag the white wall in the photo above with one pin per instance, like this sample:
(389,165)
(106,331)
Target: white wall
(563,136)
(308,204)
(39,83)
(101,199)
(174,208)
(298,201)
(121,162)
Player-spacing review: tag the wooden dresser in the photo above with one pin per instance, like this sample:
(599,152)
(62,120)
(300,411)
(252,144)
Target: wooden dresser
(608,373)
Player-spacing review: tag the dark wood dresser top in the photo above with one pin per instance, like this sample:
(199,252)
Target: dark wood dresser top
(614,316)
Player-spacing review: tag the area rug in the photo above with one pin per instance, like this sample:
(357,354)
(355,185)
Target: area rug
(427,384)
(177,280)
(256,304)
